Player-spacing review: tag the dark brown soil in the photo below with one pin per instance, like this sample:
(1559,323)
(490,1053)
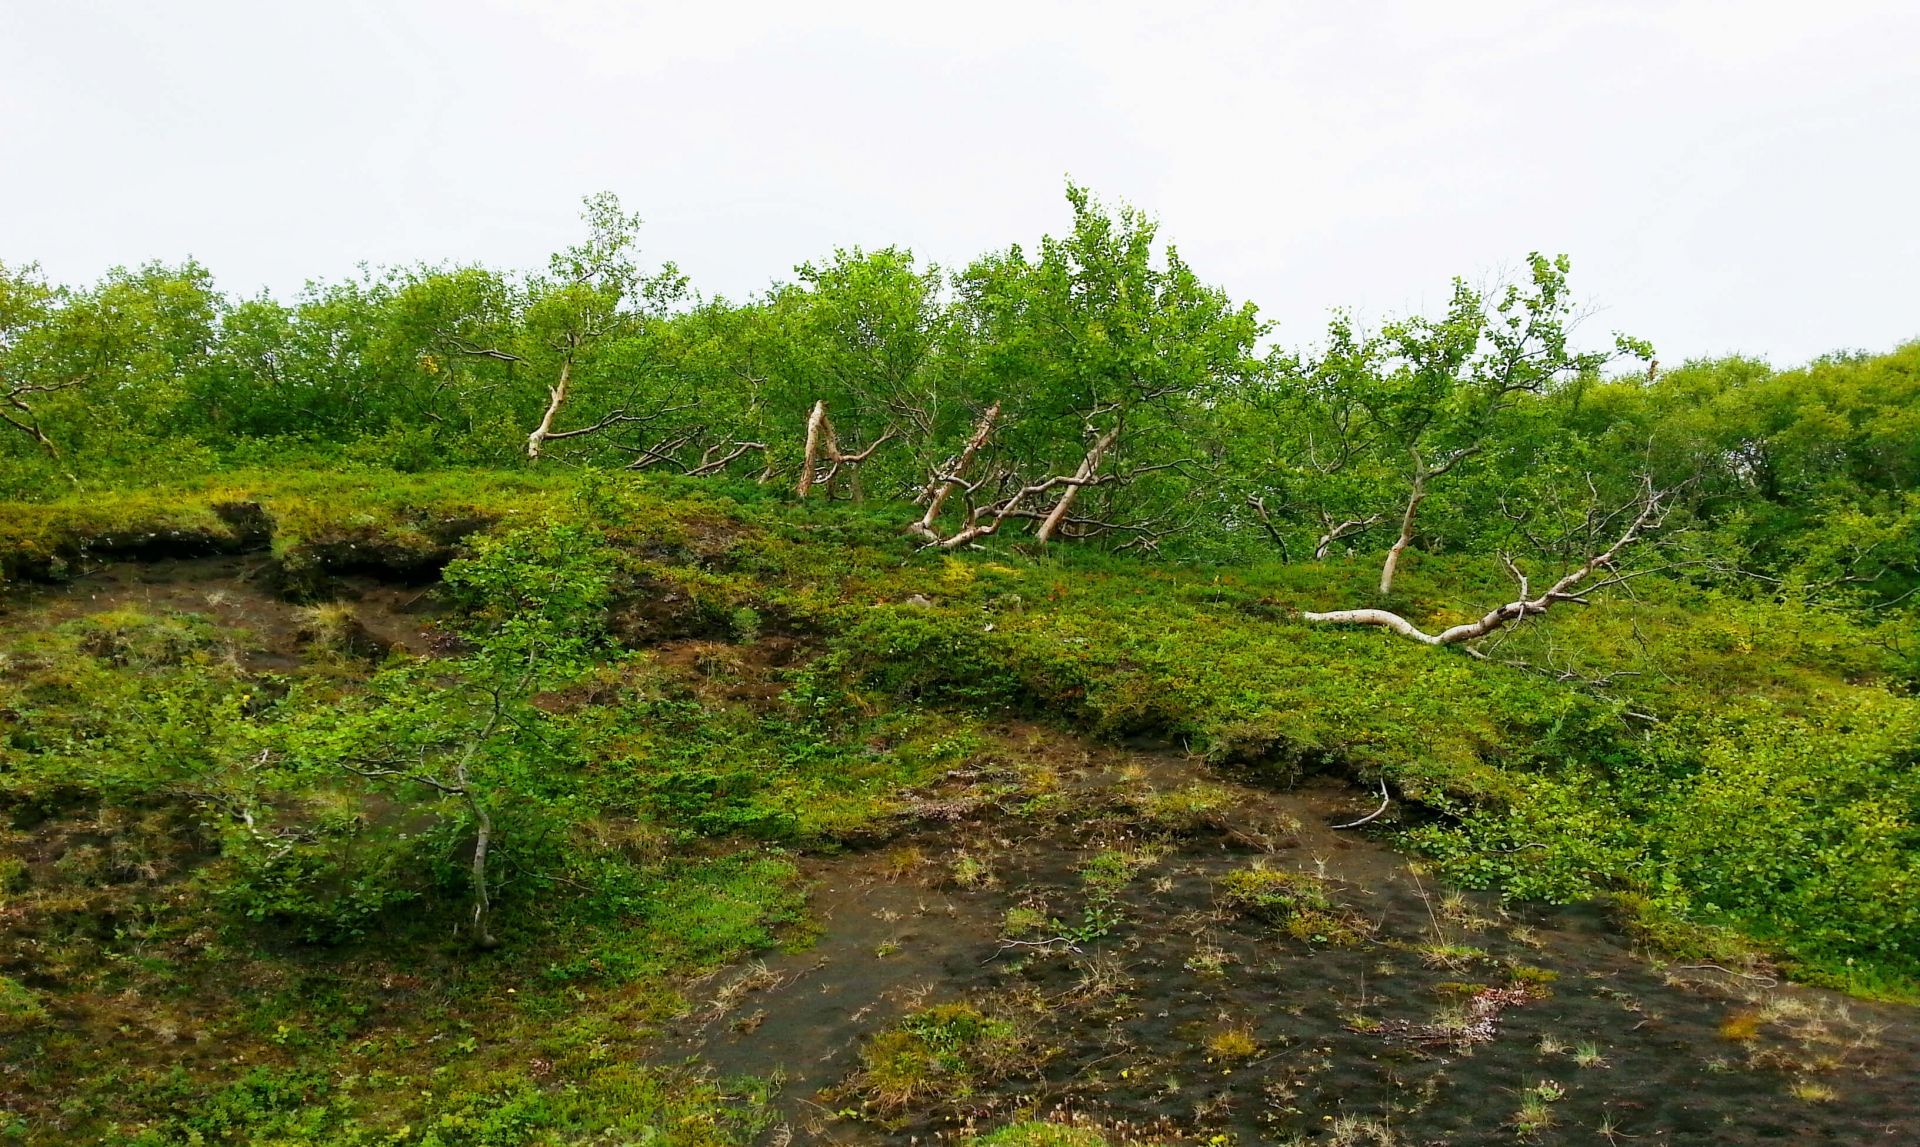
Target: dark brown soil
(1123,1023)
(237,592)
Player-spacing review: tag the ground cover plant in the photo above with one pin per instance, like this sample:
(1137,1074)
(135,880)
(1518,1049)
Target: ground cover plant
(408,693)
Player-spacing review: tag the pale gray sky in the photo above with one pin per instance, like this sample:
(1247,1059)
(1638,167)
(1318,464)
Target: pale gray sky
(1727,177)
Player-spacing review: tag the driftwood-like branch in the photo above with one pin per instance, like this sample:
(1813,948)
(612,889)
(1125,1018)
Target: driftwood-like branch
(822,440)
(654,455)
(556,398)
(1574,587)
(474,350)
(711,465)
(1089,465)
(954,477)
(1016,503)
(1385,800)
(618,416)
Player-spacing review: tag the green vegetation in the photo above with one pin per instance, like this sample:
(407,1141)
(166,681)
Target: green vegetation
(711,583)
(1038,1133)
(1295,901)
(938,1055)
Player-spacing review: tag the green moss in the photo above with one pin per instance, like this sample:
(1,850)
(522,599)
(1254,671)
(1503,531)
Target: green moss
(1039,1133)
(941,1054)
(19,1005)
(652,837)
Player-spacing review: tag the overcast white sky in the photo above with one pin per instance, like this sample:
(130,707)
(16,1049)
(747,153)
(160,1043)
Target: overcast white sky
(1727,177)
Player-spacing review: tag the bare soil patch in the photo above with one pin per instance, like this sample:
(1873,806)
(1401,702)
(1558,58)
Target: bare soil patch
(237,592)
(1434,1017)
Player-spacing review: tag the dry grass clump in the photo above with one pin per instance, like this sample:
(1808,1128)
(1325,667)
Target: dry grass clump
(1357,1131)
(756,977)
(901,863)
(1102,977)
(1453,957)
(331,630)
(1184,810)
(1236,1042)
(1814,1035)
(1042,1133)
(1210,959)
(1536,1107)
(716,660)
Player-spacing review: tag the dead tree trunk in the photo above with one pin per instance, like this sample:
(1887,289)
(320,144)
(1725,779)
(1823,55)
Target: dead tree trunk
(556,398)
(982,521)
(943,485)
(821,439)
(1573,587)
(1084,476)
(817,429)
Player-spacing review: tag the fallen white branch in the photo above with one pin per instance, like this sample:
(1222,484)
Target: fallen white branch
(1574,587)
(1385,800)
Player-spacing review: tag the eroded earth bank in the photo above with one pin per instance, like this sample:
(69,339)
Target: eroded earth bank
(1113,939)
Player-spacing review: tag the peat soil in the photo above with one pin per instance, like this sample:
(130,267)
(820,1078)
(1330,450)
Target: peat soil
(237,592)
(1414,1034)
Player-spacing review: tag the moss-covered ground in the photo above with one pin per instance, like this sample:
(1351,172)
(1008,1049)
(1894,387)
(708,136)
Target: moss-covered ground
(202,944)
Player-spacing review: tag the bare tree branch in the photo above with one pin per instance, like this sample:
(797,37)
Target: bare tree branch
(1574,587)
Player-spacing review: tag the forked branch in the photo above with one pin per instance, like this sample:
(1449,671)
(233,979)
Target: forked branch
(954,476)
(1596,573)
(823,459)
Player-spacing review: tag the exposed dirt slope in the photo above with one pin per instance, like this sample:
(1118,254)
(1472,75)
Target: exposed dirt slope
(1439,1019)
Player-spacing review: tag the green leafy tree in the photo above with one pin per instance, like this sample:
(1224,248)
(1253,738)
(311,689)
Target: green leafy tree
(463,739)
(1103,354)
(591,297)
(1305,447)
(26,305)
(104,369)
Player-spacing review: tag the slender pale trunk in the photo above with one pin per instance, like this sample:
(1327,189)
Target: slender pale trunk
(1405,539)
(556,398)
(817,429)
(482,901)
(982,430)
(482,931)
(1088,466)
